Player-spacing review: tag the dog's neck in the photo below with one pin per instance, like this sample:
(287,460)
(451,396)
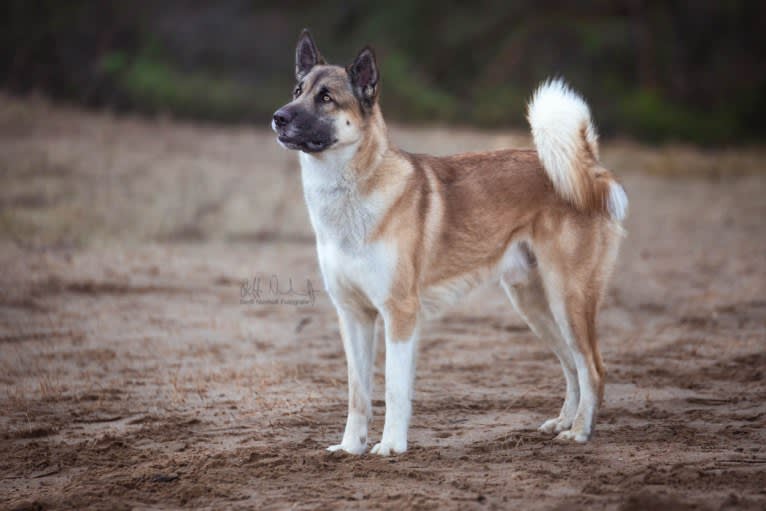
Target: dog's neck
(343,187)
(351,164)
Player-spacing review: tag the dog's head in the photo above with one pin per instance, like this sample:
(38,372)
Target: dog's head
(331,105)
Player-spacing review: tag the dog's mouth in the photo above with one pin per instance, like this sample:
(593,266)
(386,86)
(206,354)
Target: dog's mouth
(305,145)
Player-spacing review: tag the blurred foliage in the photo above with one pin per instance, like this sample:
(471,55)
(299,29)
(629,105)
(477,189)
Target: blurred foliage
(159,87)
(660,71)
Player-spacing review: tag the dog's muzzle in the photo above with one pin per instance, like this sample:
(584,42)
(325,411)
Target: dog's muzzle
(299,131)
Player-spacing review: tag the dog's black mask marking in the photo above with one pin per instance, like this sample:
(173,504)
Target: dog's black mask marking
(302,130)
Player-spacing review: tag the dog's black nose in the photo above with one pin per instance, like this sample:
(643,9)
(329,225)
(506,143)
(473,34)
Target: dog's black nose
(282,117)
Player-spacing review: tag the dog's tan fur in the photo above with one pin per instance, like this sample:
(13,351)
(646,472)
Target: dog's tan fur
(454,219)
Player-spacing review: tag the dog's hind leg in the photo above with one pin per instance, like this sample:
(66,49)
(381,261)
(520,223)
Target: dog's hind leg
(528,297)
(575,316)
(574,268)
(358,331)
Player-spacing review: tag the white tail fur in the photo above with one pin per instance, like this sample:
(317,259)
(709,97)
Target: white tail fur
(567,145)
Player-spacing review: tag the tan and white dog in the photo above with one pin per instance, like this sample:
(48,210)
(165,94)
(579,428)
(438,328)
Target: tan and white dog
(403,235)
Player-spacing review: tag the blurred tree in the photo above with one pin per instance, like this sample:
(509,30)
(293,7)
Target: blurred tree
(688,70)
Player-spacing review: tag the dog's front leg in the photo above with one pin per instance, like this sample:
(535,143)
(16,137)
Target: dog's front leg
(357,328)
(401,353)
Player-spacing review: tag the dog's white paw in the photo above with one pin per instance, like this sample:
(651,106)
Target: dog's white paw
(387,448)
(556,425)
(351,449)
(572,436)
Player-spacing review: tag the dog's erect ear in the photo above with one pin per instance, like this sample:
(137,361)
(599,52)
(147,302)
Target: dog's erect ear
(364,77)
(306,55)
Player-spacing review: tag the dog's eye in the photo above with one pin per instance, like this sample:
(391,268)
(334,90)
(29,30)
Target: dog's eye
(326,98)
(297,92)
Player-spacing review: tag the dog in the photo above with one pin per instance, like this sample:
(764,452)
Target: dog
(404,236)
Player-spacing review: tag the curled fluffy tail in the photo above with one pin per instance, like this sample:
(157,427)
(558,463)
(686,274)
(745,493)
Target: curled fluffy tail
(567,145)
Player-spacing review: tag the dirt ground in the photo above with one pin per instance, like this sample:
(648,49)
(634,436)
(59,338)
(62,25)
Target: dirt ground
(138,371)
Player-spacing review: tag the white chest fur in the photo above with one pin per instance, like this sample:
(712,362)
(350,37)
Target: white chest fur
(352,267)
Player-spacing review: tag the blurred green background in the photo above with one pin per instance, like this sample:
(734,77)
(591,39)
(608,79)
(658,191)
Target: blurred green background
(688,71)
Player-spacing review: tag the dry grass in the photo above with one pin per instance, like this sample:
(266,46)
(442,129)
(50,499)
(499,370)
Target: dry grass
(69,178)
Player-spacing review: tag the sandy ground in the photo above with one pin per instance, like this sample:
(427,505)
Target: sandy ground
(137,372)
